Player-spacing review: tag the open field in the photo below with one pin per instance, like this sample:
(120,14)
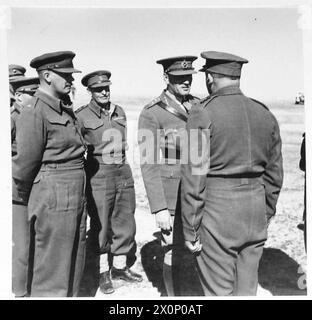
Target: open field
(284,260)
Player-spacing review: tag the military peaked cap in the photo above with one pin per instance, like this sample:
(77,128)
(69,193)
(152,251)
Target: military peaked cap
(97,79)
(222,63)
(16,71)
(178,66)
(60,61)
(25,85)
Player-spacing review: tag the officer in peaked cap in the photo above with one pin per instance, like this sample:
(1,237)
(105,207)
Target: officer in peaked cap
(222,63)
(15,71)
(24,90)
(167,115)
(178,66)
(229,195)
(97,79)
(48,174)
(110,185)
(60,62)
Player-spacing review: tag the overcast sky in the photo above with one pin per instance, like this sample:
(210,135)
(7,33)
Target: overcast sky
(129,41)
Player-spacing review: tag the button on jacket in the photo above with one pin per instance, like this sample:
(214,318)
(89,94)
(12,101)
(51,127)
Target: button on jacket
(48,133)
(110,186)
(95,121)
(162,180)
(49,175)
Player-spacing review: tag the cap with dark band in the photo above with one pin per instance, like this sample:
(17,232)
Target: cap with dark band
(222,63)
(25,85)
(177,66)
(16,71)
(60,61)
(97,79)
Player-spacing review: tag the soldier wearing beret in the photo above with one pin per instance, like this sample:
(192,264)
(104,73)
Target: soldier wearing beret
(230,196)
(48,174)
(24,89)
(110,186)
(15,71)
(161,126)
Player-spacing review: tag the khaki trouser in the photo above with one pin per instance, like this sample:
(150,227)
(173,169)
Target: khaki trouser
(58,218)
(20,250)
(233,231)
(111,206)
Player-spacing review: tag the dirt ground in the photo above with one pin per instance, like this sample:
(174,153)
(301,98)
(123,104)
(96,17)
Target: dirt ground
(283,264)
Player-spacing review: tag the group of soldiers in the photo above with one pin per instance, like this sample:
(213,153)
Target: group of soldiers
(67,164)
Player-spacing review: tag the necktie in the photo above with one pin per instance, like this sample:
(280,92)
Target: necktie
(187,105)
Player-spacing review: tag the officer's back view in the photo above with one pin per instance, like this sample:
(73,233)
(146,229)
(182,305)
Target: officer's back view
(229,197)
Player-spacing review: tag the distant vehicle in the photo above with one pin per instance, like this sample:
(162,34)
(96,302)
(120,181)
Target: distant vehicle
(299,98)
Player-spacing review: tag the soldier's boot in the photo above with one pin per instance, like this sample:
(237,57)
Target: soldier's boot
(167,273)
(106,285)
(121,271)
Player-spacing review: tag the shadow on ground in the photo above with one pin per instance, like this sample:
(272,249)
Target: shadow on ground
(280,274)
(91,275)
(187,282)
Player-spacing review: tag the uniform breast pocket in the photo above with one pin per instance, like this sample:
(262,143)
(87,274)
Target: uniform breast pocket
(93,124)
(170,134)
(94,129)
(59,129)
(174,137)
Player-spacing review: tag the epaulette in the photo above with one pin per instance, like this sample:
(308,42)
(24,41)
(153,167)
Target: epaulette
(33,103)
(152,103)
(80,108)
(207,100)
(263,105)
(114,105)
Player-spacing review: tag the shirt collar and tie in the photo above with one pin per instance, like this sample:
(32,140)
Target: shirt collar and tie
(55,103)
(98,110)
(185,105)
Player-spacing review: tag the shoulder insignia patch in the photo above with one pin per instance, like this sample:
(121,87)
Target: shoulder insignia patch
(262,104)
(207,100)
(117,106)
(152,103)
(80,108)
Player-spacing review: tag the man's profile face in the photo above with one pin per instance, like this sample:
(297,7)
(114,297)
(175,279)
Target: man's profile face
(180,85)
(101,95)
(61,82)
(209,83)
